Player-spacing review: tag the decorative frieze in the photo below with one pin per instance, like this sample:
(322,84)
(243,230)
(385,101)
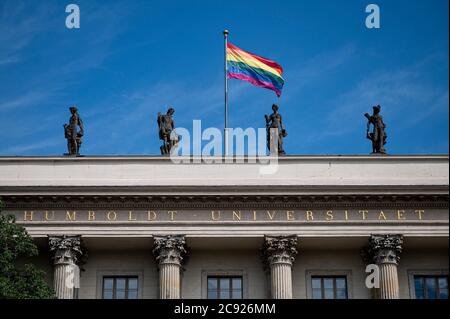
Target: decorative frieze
(288,202)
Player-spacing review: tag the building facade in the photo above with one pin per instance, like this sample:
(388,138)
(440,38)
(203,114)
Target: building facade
(145,227)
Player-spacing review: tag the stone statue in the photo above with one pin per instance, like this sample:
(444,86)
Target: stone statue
(167,133)
(378,135)
(72,134)
(274,121)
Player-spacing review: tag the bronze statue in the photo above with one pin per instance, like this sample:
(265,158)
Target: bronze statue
(378,135)
(274,121)
(167,133)
(72,134)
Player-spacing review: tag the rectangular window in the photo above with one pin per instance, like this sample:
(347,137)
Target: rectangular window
(225,288)
(330,287)
(431,287)
(120,287)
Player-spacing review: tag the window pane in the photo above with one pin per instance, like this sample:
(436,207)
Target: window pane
(120,287)
(430,282)
(237,283)
(108,283)
(212,294)
(107,294)
(418,282)
(419,294)
(317,293)
(237,294)
(132,283)
(224,294)
(341,294)
(120,283)
(328,283)
(431,287)
(443,282)
(341,283)
(443,293)
(120,294)
(329,293)
(212,283)
(132,294)
(224,283)
(224,287)
(315,282)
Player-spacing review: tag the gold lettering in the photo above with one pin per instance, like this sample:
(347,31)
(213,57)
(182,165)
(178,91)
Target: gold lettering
(91,215)
(271,216)
(28,215)
(172,214)
(131,217)
(329,215)
(213,215)
(364,214)
(254,215)
(290,215)
(346,214)
(47,216)
(71,215)
(382,215)
(401,214)
(420,212)
(151,215)
(237,215)
(309,215)
(111,213)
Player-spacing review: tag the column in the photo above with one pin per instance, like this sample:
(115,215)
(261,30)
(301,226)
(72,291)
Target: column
(66,252)
(279,254)
(385,250)
(169,252)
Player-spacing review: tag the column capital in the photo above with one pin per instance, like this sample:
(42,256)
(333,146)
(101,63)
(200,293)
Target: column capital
(383,249)
(280,249)
(170,249)
(66,249)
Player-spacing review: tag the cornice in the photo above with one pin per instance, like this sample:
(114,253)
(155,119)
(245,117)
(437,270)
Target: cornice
(226,202)
(197,159)
(211,190)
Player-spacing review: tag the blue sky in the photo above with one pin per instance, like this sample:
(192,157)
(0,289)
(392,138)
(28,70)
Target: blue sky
(132,59)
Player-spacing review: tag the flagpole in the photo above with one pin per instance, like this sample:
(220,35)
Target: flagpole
(225,34)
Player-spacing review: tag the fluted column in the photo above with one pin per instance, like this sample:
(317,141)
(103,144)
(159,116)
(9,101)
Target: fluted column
(169,252)
(279,254)
(385,250)
(66,258)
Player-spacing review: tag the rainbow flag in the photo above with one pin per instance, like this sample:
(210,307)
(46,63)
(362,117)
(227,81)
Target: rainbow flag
(257,70)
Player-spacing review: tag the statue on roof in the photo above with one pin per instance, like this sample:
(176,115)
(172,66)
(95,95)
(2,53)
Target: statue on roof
(378,135)
(275,132)
(167,133)
(74,132)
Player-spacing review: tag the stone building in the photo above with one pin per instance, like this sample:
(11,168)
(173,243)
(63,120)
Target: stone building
(144,227)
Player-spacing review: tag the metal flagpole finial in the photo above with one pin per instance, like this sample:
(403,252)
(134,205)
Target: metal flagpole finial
(225,32)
